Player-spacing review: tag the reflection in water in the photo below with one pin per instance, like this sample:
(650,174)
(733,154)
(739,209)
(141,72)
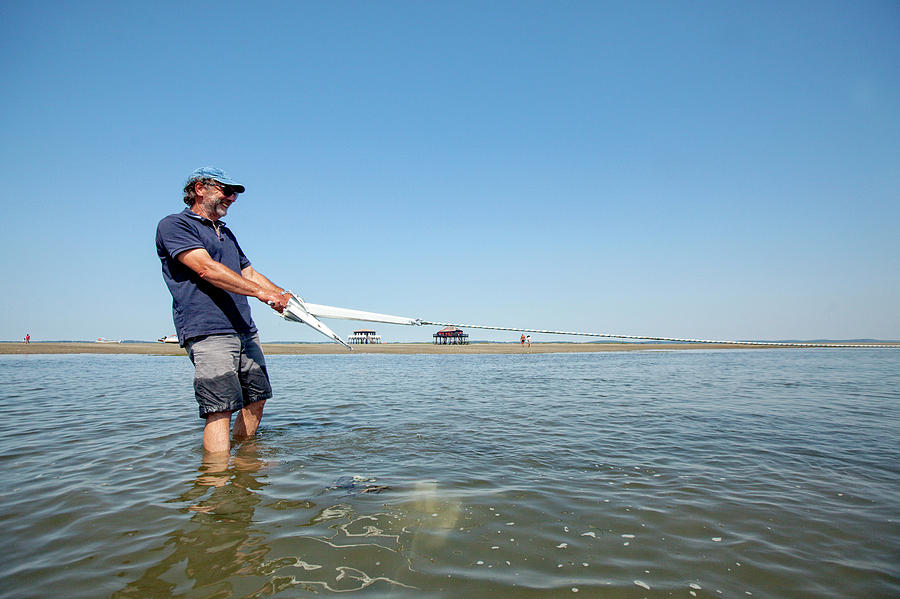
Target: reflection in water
(220,541)
(222,552)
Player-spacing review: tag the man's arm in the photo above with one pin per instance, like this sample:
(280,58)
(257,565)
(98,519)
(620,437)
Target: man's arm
(261,280)
(265,283)
(248,282)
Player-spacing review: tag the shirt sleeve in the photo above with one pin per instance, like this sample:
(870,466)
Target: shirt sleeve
(174,236)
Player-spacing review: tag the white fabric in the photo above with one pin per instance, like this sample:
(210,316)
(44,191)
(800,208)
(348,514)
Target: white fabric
(348,314)
(296,311)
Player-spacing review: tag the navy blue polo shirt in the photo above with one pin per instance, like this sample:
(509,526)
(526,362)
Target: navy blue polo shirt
(198,307)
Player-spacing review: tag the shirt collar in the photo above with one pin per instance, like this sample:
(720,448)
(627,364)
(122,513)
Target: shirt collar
(202,219)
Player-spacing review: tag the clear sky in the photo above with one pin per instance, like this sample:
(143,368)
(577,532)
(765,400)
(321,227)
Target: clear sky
(704,169)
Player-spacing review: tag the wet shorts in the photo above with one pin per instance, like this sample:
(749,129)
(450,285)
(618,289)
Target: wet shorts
(229,372)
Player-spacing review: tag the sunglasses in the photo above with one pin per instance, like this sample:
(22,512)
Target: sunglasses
(227,190)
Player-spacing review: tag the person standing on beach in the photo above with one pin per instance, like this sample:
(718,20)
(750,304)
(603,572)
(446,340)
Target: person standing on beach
(27,338)
(210,280)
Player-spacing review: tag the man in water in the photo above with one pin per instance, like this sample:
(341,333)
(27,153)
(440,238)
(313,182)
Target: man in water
(210,279)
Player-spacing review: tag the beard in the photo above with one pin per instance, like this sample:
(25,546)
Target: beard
(216,206)
(221,207)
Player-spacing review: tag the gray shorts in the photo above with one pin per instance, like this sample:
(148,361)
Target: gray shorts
(229,372)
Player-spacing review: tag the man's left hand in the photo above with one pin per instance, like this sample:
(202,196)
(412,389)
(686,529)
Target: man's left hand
(278,301)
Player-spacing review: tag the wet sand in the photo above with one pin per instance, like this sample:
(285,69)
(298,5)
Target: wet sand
(172,349)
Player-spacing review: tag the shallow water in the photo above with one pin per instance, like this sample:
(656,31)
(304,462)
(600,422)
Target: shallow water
(763,473)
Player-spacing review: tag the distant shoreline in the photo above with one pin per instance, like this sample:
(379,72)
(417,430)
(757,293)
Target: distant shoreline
(172,349)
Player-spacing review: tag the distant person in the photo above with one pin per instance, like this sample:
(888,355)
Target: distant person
(210,279)
(27,337)
(523,340)
(528,340)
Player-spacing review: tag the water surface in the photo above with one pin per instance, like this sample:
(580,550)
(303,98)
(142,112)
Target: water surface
(763,473)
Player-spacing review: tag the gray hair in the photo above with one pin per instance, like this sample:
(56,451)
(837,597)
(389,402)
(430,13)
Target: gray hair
(189,194)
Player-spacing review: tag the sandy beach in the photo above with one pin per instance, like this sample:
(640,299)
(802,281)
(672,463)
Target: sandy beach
(172,349)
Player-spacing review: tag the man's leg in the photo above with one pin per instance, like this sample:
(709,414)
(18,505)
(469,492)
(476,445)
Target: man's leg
(215,433)
(256,387)
(248,419)
(217,386)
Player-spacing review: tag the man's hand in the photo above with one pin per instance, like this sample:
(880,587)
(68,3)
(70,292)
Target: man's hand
(278,301)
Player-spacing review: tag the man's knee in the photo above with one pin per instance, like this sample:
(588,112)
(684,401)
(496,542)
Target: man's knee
(248,419)
(256,408)
(215,433)
(214,417)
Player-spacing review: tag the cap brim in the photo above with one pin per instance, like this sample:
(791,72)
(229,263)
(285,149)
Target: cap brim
(225,181)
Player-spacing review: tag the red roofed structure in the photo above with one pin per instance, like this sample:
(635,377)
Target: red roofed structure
(451,336)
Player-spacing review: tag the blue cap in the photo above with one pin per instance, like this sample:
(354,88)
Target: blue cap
(211,172)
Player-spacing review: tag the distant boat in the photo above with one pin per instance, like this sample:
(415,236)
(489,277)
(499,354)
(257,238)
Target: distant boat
(173,338)
(102,340)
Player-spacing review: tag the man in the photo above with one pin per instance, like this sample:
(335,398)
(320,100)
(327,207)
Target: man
(210,279)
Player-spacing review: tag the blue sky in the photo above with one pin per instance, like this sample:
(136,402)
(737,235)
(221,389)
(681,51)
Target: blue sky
(701,169)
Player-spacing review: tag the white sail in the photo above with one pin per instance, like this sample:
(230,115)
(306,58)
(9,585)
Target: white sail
(297,312)
(348,314)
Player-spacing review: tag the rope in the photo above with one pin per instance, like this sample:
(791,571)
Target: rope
(642,337)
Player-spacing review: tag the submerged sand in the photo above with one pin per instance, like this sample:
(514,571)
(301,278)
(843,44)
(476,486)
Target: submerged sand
(172,349)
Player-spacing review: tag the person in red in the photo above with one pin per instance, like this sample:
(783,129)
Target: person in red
(523,339)
(27,338)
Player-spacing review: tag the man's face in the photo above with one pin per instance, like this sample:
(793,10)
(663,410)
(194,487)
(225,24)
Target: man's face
(214,198)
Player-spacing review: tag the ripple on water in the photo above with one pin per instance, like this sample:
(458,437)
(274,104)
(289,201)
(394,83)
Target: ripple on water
(624,475)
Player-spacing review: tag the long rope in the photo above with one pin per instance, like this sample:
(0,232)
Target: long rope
(643,337)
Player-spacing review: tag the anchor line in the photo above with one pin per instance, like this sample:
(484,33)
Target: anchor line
(299,311)
(650,338)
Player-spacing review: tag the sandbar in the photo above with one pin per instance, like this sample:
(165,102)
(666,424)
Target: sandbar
(172,349)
